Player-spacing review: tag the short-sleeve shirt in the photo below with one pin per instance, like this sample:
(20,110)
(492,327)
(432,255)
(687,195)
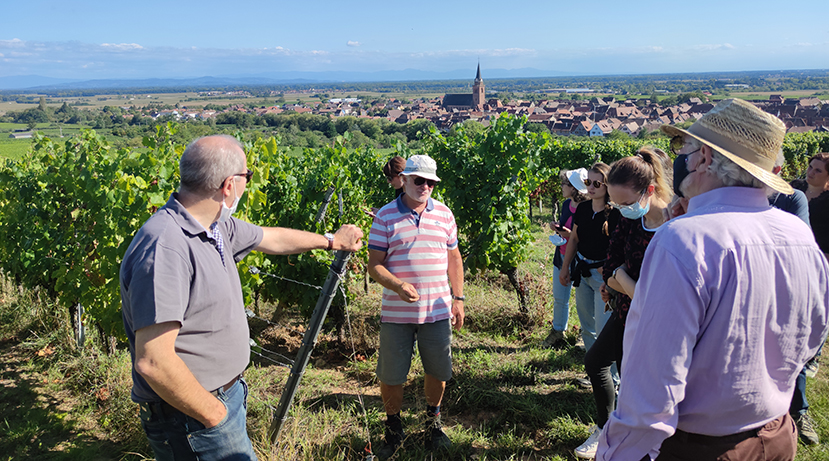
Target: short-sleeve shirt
(173,272)
(593,241)
(416,248)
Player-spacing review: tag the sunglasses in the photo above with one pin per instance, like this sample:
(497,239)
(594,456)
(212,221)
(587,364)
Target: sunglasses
(390,178)
(419,181)
(596,184)
(248,174)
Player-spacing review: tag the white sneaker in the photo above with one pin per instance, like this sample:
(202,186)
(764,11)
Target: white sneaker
(587,450)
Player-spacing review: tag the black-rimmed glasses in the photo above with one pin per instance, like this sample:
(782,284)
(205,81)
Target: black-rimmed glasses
(247,174)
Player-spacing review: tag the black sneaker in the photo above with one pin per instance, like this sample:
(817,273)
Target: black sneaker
(434,438)
(392,442)
(583,383)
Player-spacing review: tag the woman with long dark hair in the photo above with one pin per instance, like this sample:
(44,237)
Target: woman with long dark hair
(586,251)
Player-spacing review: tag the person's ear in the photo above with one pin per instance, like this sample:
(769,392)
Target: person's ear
(227,186)
(707,156)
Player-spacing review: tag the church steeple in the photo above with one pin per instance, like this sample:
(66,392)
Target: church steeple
(478,91)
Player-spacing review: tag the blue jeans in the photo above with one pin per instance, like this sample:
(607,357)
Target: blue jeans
(561,302)
(590,307)
(176,436)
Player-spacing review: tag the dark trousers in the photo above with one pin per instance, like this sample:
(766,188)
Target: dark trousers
(597,362)
(799,404)
(776,441)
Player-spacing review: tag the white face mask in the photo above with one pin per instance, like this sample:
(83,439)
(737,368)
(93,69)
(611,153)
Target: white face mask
(227,212)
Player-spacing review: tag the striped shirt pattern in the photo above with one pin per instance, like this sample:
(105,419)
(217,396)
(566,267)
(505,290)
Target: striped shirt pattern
(416,252)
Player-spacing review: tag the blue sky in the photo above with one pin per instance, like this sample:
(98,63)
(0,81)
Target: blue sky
(174,39)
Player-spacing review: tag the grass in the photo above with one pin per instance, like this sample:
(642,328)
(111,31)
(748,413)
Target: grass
(509,399)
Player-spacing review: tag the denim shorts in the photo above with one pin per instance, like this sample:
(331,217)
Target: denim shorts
(397,340)
(176,436)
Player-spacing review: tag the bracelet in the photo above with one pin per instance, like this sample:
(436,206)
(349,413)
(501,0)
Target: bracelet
(615,271)
(458,298)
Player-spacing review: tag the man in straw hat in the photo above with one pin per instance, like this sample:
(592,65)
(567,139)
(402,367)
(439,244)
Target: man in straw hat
(730,304)
(413,253)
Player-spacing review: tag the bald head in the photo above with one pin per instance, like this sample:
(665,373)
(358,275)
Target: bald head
(208,161)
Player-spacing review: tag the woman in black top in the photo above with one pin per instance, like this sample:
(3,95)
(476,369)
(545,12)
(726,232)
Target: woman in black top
(587,248)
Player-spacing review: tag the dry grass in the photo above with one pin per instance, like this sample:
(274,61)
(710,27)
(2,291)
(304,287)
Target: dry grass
(509,398)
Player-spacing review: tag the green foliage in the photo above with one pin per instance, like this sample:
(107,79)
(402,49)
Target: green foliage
(295,191)
(69,211)
(488,179)
(798,147)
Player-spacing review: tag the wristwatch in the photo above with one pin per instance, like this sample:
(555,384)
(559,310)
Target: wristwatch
(458,298)
(616,270)
(330,238)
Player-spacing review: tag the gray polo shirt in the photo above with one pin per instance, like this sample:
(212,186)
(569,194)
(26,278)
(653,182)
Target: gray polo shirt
(172,272)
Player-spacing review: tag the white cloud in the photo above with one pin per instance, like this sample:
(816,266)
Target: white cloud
(353,43)
(122,46)
(721,46)
(15,42)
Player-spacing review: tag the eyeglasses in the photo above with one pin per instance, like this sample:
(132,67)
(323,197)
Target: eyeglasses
(596,184)
(248,174)
(419,181)
(628,207)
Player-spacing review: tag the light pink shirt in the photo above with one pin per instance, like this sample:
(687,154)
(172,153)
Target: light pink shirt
(416,252)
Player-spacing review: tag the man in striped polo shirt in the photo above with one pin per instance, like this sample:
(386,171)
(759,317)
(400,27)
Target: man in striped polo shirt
(413,254)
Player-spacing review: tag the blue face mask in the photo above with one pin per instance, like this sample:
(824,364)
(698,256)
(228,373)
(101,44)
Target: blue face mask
(634,211)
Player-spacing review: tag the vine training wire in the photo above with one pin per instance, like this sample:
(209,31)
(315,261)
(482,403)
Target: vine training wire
(251,314)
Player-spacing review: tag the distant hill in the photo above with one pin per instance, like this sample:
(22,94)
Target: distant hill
(40,83)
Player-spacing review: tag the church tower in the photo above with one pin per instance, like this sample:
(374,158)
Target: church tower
(478,92)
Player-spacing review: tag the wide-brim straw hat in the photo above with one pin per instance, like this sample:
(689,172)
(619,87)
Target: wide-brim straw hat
(745,135)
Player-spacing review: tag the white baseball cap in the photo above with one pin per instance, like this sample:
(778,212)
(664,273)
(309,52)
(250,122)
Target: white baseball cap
(423,166)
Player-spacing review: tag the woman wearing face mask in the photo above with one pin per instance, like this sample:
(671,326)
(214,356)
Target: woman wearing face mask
(587,247)
(572,188)
(639,188)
